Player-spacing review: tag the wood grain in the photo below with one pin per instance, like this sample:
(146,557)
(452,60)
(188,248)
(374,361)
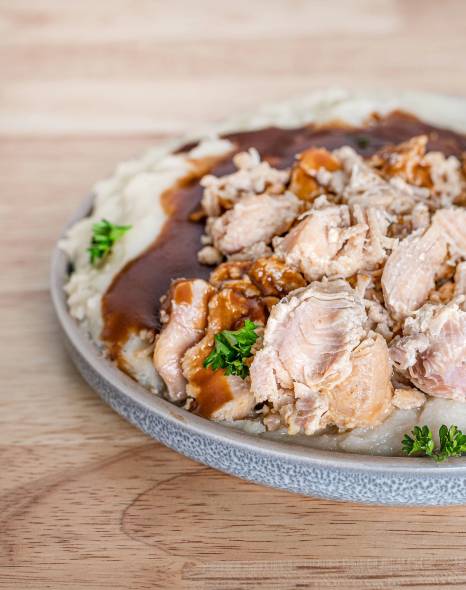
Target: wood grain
(87,501)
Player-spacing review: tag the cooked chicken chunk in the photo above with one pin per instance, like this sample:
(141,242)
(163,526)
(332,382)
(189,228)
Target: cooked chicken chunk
(405,160)
(446,178)
(376,243)
(433,170)
(364,398)
(403,204)
(410,271)
(253,177)
(323,243)
(327,243)
(209,256)
(432,352)
(460,280)
(185,325)
(219,396)
(267,278)
(361,178)
(452,223)
(274,278)
(378,319)
(252,223)
(308,342)
(408,398)
(233,270)
(316,171)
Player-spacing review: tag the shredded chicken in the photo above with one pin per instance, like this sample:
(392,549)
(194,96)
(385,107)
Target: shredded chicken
(432,350)
(410,271)
(355,272)
(220,396)
(364,398)
(324,243)
(441,175)
(460,280)
(245,230)
(274,278)
(308,342)
(408,398)
(452,225)
(253,177)
(316,171)
(405,160)
(184,326)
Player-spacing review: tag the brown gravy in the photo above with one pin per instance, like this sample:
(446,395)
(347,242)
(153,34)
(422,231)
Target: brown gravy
(213,391)
(132,301)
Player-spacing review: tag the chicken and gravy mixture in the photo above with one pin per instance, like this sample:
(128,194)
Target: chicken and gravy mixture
(306,281)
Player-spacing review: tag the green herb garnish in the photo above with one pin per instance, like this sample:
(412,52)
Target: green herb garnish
(104,235)
(362,141)
(232,349)
(452,443)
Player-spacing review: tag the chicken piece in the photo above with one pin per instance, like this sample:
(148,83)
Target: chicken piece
(410,271)
(314,172)
(408,398)
(378,319)
(377,243)
(420,217)
(184,326)
(405,160)
(460,279)
(219,396)
(253,222)
(364,398)
(434,171)
(267,278)
(361,178)
(324,243)
(253,177)
(432,351)
(461,199)
(231,272)
(452,223)
(312,245)
(234,274)
(406,224)
(446,178)
(443,294)
(366,188)
(209,256)
(308,342)
(274,278)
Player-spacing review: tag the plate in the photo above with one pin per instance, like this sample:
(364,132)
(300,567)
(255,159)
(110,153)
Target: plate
(312,472)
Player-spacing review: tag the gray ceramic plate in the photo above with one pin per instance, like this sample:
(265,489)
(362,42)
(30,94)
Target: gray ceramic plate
(340,476)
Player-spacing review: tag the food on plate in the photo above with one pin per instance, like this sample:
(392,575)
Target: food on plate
(104,235)
(452,443)
(304,281)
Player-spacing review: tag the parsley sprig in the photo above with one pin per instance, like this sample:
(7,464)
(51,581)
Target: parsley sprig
(232,349)
(452,443)
(104,235)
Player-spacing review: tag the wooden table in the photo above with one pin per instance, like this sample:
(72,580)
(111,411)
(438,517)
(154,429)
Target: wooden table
(86,500)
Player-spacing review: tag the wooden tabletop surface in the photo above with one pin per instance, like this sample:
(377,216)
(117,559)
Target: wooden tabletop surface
(86,500)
